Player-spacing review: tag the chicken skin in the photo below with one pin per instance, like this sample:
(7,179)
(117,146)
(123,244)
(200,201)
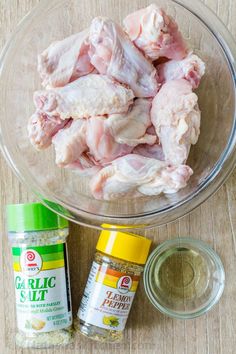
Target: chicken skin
(70,143)
(131,128)
(192,68)
(112,53)
(176,117)
(42,128)
(152,151)
(134,175)
(65,61)
(117,135)
(88,96)
(155,34)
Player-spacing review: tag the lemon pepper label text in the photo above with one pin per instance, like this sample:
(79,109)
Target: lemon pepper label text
(117,301)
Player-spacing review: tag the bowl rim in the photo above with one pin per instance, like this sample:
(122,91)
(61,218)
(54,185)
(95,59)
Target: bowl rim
(206,188)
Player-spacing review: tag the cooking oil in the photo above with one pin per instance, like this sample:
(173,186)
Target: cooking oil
(181,275)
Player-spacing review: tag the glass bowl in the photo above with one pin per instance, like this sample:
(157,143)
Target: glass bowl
(184,278)
(212,159)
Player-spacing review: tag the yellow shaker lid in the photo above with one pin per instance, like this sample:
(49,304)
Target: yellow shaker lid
(130,247)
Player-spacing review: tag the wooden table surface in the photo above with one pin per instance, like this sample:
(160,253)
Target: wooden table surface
(147,331)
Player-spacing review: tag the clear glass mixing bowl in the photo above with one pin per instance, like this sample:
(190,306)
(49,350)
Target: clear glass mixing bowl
(212,159)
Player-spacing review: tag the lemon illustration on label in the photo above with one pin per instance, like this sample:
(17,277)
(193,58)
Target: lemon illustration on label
(112,321)
(35,324)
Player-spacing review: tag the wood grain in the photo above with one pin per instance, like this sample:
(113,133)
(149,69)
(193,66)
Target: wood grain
(147,331)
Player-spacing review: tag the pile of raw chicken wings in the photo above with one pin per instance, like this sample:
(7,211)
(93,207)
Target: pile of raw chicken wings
(118,105)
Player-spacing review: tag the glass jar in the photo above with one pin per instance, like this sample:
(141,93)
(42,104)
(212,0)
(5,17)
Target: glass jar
(111,285)
(41,276)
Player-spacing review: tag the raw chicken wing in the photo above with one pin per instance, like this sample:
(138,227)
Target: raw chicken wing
(176,117)
(112,53)
(102,145)
(65,61)
(70,143)
(131,128)
(134,175)
(155,33)
(88,96)
(192,68)
(41,129)
(117,135)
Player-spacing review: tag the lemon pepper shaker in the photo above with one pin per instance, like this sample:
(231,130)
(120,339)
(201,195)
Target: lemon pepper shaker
(112,284)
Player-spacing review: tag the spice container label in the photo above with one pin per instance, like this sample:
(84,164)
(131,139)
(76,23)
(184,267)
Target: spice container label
(43,302)
(108,297)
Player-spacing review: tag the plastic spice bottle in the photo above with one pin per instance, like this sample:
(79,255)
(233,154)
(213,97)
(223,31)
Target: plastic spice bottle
(111,285)
(41,278)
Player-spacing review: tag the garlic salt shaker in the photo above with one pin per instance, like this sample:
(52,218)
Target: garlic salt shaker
(41,278)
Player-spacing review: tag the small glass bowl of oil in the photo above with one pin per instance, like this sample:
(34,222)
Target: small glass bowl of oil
(184,278)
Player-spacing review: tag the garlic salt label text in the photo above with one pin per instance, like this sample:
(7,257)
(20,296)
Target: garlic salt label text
(108,297)
(42,288)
